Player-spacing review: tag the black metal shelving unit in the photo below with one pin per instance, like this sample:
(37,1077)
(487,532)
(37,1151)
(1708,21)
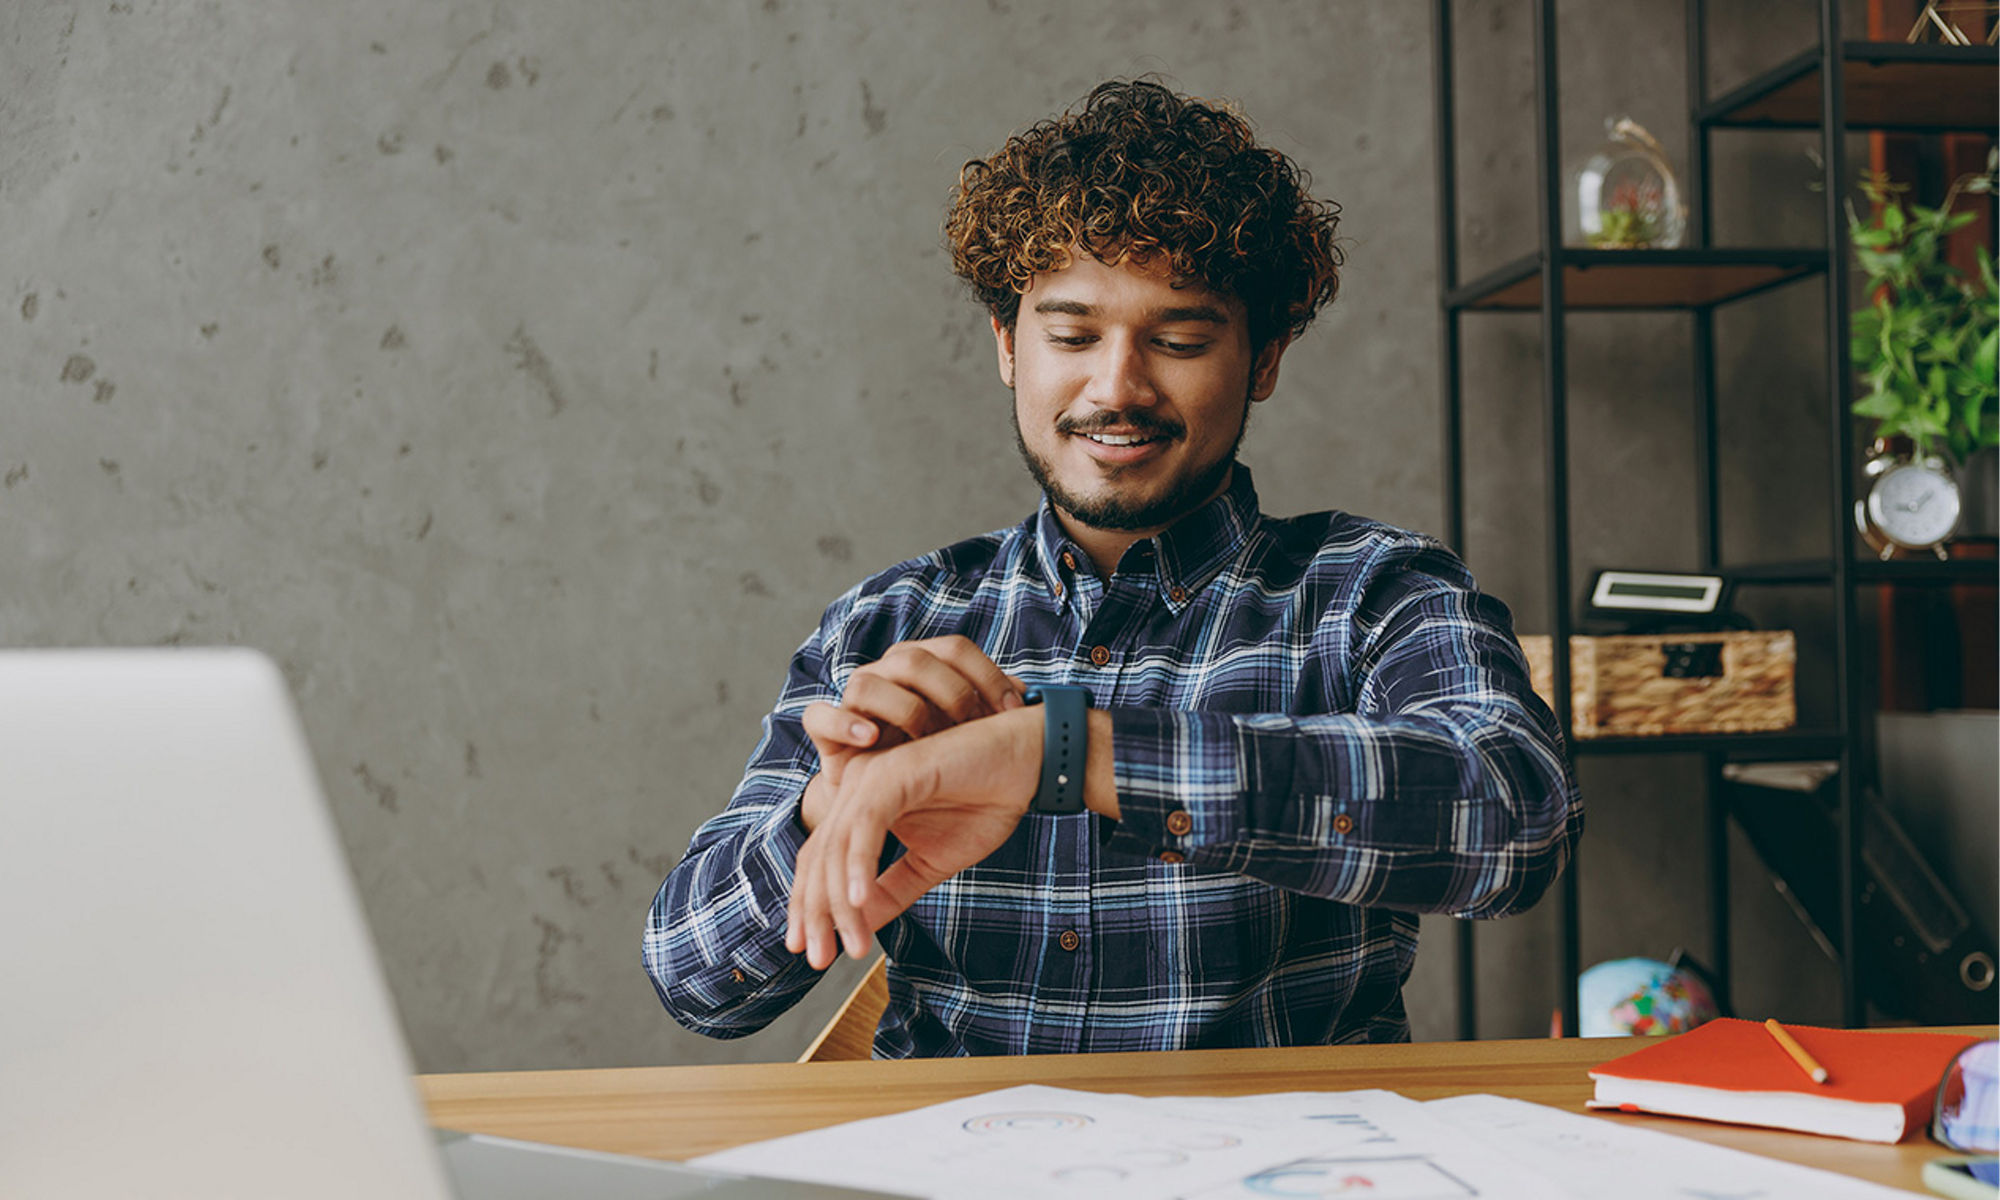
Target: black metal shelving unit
(1835,87)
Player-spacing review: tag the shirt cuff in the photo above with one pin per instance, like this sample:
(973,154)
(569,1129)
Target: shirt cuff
(770,859)
(1180,778)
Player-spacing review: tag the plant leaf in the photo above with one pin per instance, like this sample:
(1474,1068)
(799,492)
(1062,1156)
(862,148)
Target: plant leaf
(1878,404)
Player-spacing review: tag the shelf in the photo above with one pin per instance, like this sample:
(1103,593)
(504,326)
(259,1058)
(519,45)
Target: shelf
(1783,744)
(1889,85)
(1926,89)
(1928,570)
(1867,570)
(1638,280)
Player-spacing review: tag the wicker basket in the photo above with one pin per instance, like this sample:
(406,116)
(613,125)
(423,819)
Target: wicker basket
(1678,683)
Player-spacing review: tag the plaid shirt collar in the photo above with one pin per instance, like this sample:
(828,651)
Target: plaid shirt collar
(1191,552)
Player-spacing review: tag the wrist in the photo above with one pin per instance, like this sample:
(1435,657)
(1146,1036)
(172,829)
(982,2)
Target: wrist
(813,802)
(1100,785)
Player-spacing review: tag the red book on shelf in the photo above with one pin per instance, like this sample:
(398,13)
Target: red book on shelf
(1879,1082)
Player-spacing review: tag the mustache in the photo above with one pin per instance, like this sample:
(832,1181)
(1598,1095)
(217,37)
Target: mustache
(1137,420)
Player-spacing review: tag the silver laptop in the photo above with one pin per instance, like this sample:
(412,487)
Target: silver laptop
(190,1005)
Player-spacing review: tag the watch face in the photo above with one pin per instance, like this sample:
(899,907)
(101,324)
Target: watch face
(1914,506)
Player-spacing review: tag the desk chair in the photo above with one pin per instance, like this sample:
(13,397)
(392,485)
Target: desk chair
(851,1033)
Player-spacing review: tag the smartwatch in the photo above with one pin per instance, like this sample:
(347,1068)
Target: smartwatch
(1065,737)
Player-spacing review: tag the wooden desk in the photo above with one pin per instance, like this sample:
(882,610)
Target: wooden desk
(681,1112)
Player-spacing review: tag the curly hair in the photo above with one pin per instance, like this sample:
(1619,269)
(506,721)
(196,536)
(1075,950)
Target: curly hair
(1135,171)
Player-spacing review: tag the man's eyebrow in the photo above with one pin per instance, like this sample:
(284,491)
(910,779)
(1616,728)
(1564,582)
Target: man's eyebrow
(1208,313)
(1191,312)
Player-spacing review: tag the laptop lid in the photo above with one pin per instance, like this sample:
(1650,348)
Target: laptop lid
(192,1004)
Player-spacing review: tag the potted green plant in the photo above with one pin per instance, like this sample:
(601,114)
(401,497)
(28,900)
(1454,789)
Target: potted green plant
(1925,344)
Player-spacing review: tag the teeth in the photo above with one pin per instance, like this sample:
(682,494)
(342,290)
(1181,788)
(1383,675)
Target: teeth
(1116,439)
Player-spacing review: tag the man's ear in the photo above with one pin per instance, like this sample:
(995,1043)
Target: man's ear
(1003,344)
(1264,372)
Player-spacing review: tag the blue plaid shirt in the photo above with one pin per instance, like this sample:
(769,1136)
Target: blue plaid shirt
(1320,729)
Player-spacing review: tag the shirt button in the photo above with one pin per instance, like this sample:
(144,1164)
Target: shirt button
(1177,594)
(1343,824)
(1099,655)
(1069,560)
(1069,940)
(1172,856)
(1178,823)
(736,973)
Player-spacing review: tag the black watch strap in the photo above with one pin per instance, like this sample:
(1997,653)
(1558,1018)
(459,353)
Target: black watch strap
(1065,738)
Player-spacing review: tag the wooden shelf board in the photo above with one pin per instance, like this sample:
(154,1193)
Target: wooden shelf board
(1889,85)
(1609,280)
(1929,570)
(1867,571)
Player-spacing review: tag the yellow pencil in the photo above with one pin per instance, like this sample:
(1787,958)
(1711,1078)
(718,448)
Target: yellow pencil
(1791,1044)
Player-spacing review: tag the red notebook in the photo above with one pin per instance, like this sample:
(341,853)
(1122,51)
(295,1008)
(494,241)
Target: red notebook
(1879,1086)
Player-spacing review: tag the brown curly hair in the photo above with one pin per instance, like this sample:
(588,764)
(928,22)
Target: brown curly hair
(1138,170)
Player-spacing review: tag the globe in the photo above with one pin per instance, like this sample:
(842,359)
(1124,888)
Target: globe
(1641,996)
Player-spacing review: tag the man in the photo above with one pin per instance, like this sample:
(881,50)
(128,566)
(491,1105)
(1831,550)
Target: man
(1297,733)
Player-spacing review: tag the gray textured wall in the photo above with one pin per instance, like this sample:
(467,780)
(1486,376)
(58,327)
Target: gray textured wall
(525,378)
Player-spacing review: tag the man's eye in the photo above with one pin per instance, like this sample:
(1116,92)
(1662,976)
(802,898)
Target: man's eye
(1174,347)
(1079,339)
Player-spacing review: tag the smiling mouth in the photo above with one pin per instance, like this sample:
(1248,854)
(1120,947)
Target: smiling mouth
(1123,439)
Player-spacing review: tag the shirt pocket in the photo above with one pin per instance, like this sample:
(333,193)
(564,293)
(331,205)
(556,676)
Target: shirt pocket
(1217,935)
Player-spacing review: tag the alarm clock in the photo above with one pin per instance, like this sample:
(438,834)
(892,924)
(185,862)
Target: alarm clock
(1912,504)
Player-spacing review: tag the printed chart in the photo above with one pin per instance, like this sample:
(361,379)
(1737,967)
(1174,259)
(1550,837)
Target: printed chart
(1040,1141)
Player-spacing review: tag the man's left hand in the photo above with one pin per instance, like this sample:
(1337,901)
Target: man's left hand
(951,798)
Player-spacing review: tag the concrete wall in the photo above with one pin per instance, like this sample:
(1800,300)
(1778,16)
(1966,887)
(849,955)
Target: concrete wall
(526,377)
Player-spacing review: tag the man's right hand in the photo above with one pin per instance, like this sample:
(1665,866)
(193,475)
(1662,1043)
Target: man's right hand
(916,688)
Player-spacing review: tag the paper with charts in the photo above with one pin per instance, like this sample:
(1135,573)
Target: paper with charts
(1045,1141)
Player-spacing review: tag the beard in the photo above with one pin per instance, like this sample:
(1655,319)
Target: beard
(1112,511)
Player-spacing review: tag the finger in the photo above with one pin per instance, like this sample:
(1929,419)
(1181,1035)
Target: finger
(831,886)
(842,912)
(892,705)
(838,920)
(892,893)
(837,736)
(795,925)
(805,884)
(805,930)
(862,857)
(941,681)
(830,725)
(996,688)
(809,892)
(851,845)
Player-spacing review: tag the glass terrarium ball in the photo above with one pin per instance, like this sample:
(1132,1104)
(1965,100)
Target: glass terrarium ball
(1626,195)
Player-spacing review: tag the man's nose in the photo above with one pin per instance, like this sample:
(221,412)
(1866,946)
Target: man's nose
(1121,376)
